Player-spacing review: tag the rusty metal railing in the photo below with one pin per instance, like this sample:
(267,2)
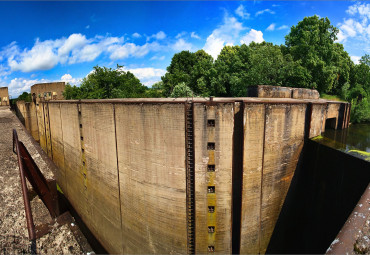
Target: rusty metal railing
(28,169)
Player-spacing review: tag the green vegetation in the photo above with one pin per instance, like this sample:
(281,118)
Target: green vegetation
(25,97)
(310,58)
(105,82)
(364,154)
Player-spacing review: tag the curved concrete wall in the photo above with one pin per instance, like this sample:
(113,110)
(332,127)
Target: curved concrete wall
(122,165)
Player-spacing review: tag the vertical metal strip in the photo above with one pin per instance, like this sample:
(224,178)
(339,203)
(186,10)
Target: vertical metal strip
(190,175)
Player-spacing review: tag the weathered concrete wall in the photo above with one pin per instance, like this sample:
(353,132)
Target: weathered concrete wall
(4,96)
(267,91)
(48,91)
(123,167)
(220,157)
(300,93)
(27,113)
(151,161)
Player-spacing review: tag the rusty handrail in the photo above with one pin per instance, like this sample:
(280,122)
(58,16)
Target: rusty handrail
(27,205)
(28,169)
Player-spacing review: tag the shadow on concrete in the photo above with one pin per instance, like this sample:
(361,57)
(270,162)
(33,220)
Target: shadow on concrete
(325,189)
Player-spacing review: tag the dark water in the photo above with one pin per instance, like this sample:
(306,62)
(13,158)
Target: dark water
(354,140)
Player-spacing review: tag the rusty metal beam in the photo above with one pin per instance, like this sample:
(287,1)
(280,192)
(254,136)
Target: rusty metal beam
(27,205)
(28,169)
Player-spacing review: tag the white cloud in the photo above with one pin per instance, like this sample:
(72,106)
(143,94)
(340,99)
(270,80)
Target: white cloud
(194,35)
(264,11)
(159,36)
(136,35)
(181,45)
(19,85)
(157,58)
(356,59)
(148,75)
(228,32)
(357,27)
(271,27)
(4,71)
(42,56)
(282,27)
(362,9)
(252,36)
(242,12)
(45,55)
(132,50)
(74,42)
(69,79)
(87,27)
(179,35)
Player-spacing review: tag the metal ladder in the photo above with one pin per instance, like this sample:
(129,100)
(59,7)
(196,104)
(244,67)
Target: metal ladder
(190,175)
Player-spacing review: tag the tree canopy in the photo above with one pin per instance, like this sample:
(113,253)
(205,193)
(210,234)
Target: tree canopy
(310,58)
(105,82)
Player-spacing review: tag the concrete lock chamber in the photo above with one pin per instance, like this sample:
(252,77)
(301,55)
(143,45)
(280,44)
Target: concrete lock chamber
(178,175)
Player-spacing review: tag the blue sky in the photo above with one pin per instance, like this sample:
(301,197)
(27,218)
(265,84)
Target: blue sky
(54,41)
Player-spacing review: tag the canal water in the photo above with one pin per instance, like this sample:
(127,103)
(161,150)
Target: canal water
(355,140)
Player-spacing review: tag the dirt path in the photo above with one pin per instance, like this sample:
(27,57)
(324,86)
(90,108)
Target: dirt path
(13,228)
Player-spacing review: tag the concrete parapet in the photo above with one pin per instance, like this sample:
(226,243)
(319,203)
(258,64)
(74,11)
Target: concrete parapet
(26,112)
(266,91)
(125,167)
(47,91)
(4,96)
(300,93)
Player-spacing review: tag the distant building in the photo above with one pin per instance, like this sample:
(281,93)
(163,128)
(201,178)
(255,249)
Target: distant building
(48,91)
(4,96)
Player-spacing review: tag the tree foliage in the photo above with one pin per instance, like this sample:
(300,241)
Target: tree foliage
(181,90)
(105,82)
(25,97)
(310,58)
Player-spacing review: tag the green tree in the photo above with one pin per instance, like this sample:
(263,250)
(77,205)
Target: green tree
(312,43)
(181,90)
(25,97)
(230,71)
(191,68)
(155,91)
(106,82)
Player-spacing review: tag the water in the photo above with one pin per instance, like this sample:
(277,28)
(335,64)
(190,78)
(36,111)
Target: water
(354,140)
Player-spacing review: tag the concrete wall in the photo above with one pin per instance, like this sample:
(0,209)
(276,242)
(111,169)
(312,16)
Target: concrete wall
(123,166)
(267,91)
(48,91)
(4,96)
(27,113)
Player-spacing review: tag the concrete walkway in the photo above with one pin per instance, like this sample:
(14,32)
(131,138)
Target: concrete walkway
(13,228)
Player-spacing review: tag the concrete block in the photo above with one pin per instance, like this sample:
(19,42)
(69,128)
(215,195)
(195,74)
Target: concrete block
(284,137)
(100,173)
(151,159)
(222,136)
(301,93)
(254,122)
(267,91)
(57,143)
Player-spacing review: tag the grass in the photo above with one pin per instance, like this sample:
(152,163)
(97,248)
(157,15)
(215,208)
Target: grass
(330,97)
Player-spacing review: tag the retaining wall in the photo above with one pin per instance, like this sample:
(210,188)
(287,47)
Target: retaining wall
(124,165)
